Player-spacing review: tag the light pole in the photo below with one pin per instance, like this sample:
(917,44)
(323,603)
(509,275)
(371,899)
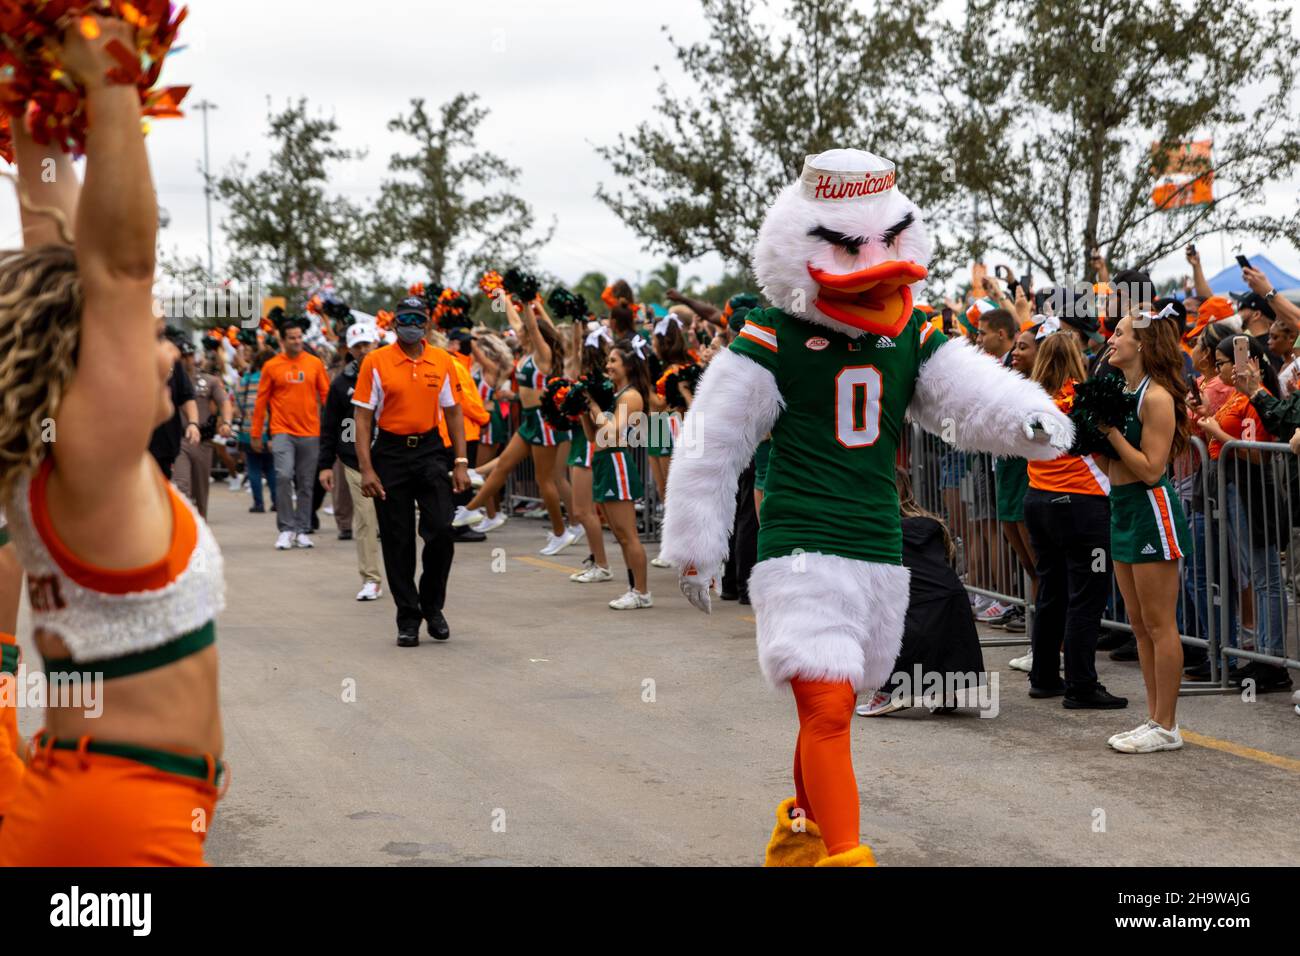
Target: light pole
(207,106)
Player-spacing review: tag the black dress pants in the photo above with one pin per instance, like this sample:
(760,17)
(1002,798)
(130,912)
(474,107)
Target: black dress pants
(742,550)
(1071,538)
(414,474)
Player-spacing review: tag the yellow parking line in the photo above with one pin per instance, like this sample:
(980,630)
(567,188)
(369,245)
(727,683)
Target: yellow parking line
(538,562)
(750,618)
(1237,750)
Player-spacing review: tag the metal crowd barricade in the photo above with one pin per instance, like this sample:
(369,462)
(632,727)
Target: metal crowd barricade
(1260,535)
(960,487)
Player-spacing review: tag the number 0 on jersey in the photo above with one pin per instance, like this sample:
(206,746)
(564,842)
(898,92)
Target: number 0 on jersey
(857,406)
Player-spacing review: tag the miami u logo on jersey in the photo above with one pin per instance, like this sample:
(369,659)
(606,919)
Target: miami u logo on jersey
(295,376)
(45,594)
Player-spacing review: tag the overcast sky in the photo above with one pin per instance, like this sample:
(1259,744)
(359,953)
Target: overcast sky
(558,77)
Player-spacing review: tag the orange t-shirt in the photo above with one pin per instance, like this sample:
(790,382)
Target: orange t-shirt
(294,389)
(406,393)
(1069,474)
(1240,420)
(471,403)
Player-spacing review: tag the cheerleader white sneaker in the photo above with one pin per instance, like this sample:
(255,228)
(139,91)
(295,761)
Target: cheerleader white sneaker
(371,591)
(475,479)
(592,574)
(1129,733)
(465,517)
(285,541)
(491,524)
(659,562)
(577,532)
(1150,740)
(555,543)
(631,601)
(1025,663)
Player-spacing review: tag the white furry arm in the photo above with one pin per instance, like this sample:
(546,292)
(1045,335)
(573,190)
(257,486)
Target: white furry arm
(736,405)
(969,399)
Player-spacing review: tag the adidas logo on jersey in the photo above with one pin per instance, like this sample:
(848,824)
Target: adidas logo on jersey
(1149,549)
(885,344)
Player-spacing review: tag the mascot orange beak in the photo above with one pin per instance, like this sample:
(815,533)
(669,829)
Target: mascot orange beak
(877,299)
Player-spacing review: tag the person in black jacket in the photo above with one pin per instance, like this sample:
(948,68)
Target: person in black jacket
(337,441)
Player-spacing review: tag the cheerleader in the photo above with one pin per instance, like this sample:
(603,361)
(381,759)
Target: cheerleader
(671,349)
(124,578)
(593,357)
(543,352)
(616,483)
(1149,535)
(493,365)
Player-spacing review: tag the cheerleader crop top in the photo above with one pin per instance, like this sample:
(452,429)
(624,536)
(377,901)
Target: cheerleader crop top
(118,622)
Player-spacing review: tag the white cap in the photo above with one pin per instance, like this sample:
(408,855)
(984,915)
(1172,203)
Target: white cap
(847,174)
(362,332)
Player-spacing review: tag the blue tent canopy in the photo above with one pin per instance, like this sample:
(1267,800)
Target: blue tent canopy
(1230,280)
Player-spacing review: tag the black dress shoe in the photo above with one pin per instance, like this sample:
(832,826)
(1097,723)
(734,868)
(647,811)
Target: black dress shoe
(743,599)
(468,535)
(1125,652)
(256,510)
(1269,678)
(408,638)
(730,595)
(439,630)
(1242,671)
(1095,697)
(1038,693)
(345,535)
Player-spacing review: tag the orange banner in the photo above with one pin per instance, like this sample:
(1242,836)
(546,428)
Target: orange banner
(1187,171)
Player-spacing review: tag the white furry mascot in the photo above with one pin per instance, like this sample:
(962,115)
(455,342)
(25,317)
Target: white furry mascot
(832,372)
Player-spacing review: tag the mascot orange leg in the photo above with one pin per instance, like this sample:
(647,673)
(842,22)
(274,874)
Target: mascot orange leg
(825,787)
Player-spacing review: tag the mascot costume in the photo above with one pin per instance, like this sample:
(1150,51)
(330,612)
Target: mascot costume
(832,373)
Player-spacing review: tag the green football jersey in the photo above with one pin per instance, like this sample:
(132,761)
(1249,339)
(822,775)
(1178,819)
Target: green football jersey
(830,485)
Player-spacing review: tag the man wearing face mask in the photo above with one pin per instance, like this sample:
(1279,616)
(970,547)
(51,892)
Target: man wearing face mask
(402,392)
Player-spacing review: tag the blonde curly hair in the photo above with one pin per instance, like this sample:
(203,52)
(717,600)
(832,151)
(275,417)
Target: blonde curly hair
(40,326)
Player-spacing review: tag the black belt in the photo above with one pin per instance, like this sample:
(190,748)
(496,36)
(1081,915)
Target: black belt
(392,439)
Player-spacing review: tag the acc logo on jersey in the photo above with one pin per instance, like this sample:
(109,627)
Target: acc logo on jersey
(817,343)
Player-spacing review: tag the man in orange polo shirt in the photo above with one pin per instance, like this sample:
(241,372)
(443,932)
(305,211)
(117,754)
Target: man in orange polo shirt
(293,386)
(402,392)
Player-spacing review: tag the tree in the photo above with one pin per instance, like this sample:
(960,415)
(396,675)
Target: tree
(665,277)
(449,213)
(282,224)
(1058,110)
(590,287)
(700,179)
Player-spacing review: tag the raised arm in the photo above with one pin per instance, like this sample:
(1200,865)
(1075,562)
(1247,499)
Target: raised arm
(112,407)
(737,404)
(969,399)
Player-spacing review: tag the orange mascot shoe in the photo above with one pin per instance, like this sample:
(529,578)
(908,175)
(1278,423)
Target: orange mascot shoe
(858,856)
(791,847)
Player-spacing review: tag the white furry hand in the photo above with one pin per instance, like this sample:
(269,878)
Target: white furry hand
(1043,428)
(696,587)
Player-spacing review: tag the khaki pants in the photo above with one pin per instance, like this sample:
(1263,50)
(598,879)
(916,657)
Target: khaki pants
(192,474)
(365,529)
